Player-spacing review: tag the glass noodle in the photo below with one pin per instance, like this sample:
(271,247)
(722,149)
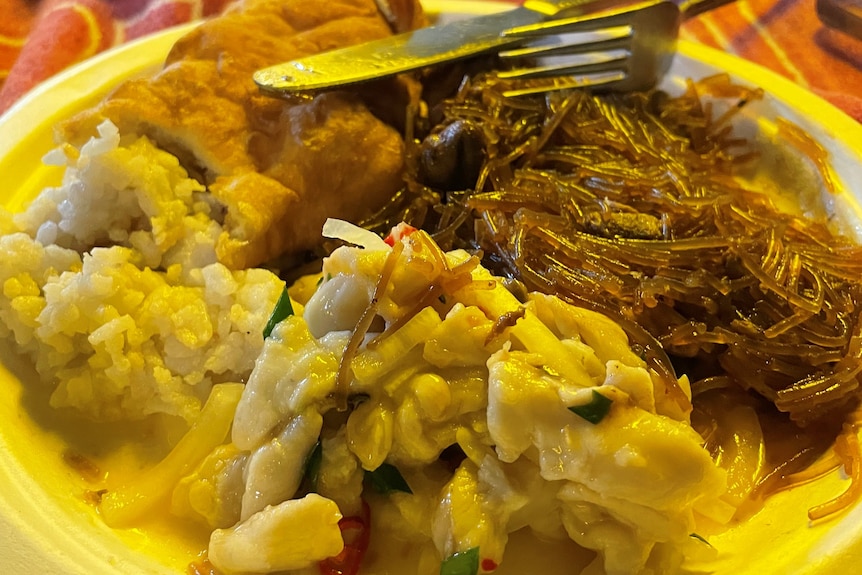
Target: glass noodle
(632,205)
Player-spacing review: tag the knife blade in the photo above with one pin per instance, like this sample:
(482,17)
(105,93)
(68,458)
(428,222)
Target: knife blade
(409,51)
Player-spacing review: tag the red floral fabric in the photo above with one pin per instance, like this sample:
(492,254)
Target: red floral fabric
(39,39)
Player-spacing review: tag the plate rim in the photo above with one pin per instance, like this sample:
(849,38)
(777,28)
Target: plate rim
(83,554)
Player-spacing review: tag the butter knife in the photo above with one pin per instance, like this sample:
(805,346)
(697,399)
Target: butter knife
(409,51)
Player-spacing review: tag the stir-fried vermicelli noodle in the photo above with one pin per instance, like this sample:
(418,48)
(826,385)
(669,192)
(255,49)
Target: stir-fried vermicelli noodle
(631,204)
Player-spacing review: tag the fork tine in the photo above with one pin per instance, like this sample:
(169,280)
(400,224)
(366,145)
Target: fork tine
(592,82)
(613,18)
(597,63)
(614,43)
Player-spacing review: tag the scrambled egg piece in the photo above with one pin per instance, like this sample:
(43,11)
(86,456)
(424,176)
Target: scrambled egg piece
(495,416)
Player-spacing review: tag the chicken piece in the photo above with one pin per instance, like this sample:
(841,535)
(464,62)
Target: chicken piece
(185,110)
(279,168)
(213,492)
(401,14)
(274,471)
(294,534)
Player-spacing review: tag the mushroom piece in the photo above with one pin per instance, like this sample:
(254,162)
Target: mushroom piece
(451,159)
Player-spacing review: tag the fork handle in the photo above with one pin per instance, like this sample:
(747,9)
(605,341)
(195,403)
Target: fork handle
(691,8)
(556,8)
(687,8)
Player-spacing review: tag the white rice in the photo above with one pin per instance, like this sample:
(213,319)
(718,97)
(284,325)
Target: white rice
(127,193)
(116,339)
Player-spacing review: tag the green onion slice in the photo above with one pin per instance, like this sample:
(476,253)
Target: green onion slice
(594,411)
(311,469)
(386,479)
(700,538)
(461,563)
(282,310)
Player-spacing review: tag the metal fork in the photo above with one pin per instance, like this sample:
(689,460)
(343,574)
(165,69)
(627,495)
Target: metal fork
(630,47)
(641,45)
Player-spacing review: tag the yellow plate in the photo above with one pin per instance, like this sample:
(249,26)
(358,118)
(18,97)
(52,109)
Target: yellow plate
(45,525)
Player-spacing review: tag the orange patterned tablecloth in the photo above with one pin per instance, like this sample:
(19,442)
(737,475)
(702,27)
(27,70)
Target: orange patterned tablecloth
(40,38)
(787,37)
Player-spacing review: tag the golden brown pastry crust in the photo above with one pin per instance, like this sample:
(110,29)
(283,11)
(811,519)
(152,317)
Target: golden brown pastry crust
(279,168)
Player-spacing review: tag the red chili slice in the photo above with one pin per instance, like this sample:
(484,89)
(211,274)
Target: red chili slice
(398,232)
(201,567)
(356,532)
